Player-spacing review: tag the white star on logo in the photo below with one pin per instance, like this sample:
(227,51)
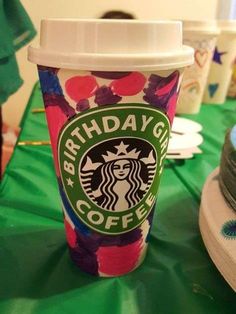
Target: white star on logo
(70,182)
(121,148)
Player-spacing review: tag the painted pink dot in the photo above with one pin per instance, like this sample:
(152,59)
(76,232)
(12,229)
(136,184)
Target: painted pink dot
(172,106)
(81,87)
(129,85)
(70,234)
(118,260)
(56,119)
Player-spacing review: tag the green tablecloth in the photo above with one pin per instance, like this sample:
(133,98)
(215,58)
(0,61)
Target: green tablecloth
(177,276)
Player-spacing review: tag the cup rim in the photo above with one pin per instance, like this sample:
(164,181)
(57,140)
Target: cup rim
(94,44)
(113,21)
(112,62)
(201,26)
(227,26)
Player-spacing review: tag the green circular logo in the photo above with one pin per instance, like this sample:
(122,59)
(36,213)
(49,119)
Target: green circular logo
(110,161)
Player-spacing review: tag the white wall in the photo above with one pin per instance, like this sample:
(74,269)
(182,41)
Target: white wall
(144,9)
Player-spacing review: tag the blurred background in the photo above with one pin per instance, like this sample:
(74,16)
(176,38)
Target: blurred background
(142,9)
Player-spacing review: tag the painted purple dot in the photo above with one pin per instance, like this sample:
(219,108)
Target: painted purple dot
(122,239)
(58,100)
(105,96)
(160,90)
(82,105)
(85,259)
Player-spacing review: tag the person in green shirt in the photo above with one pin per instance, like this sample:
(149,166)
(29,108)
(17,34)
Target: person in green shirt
(16,30)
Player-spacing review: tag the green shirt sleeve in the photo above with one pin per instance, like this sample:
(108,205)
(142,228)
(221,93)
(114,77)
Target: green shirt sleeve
(6,37)
(19,23)
(16,30)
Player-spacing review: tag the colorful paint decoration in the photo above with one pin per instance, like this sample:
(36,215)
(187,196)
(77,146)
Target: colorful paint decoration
(192,87)
(109,133)
(201,57)
(195,76)
(217,57)
(212,88)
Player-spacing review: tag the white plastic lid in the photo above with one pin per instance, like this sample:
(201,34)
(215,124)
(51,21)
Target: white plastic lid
(111,45)
(227,26)
(201,26)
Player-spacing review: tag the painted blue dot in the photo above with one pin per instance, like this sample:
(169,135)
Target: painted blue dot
(212,88)
(50,83)
(229,229)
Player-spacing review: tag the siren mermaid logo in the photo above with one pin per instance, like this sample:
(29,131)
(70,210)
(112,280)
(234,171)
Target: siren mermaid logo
(119,179)
(110,161)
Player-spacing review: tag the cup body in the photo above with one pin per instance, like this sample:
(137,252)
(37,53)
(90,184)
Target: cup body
(195,76)
(222,65)
(109,134)
(110,90)
(232,86)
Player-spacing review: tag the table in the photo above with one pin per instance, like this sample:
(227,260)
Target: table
(177,276)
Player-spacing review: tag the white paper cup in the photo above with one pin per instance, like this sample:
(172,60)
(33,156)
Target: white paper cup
(110,89)
(222,64)
(201,35)
(232,86)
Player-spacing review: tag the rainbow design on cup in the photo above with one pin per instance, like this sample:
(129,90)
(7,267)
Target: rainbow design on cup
(192,87)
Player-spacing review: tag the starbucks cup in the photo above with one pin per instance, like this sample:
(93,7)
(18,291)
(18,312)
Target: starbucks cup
(201,35)
(110,89)
(222,64)
(232,86)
